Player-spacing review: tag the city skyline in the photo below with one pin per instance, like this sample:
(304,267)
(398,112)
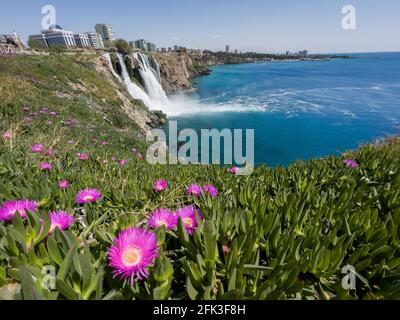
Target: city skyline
(262,26)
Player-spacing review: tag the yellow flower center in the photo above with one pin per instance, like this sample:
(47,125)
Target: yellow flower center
(88,198)
(188,222)
(132,256)
(162,222)
(54,226)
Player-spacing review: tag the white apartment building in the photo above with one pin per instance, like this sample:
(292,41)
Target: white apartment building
(95,39)
(56,36)
(106,31)
(82,40)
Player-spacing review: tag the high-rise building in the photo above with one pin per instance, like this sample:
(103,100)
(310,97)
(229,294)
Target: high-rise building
(132,44)
(227,50)
(176,48)
(95,39)
(82,40)
(141,44)
(106,31)
(151,47)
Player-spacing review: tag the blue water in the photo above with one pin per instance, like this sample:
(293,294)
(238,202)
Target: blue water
(302,109)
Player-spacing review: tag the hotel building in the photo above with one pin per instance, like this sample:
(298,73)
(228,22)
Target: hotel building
(106,31)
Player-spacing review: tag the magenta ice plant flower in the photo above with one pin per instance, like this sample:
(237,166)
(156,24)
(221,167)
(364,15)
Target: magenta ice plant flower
(123,163)
(131,254)
(194,190)
(37,148)
(234,170)
(88,196)
(189,218)
(350,164)
(45,166)
(83,156)
(163,217)
(7,135)
(61,220)
(160,185)
(211,190)
(10,208)
(64,184)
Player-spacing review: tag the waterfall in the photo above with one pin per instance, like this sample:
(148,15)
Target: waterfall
(152,84)
(153,94)
(135,91)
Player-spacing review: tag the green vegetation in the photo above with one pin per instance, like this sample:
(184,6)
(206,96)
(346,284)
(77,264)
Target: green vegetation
(281,233)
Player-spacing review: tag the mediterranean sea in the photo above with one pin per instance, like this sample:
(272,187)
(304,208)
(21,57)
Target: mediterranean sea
(301,109)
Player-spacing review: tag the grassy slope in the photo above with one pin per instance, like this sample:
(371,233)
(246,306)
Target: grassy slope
(289,230)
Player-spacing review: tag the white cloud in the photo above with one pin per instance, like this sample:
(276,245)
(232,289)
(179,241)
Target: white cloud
(216,36)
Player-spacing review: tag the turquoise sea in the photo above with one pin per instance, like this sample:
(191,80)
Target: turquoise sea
(302,109)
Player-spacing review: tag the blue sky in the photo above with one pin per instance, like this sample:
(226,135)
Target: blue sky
(250,25)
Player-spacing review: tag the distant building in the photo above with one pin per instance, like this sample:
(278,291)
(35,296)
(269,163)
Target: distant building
(57,36)
(106,31)
(39,40)
(227,49)
(82,40)
(236,51)
(176,48)
(169,49)
(151,47)
(132,44)
(303,53)
(141,44)
(95,39)
(163,50)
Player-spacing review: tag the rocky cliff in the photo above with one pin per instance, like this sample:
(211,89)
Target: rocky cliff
(178,69)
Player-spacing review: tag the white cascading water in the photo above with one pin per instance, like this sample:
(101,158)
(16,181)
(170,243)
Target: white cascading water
(135,91)
(153,87)
(154,96)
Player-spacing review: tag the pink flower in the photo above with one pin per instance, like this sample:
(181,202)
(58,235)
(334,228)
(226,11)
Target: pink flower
(50,152)
(160,185)
(88,196)
(7,135)
(189,219)
(234,170)
(123,163)
(37,148)
(211,190)
(194,190)
(26,109)
(45,166)
(350,164)
(61,220)
(104,143)
(64,184)
(163,217)
(83,156)
(132,252)
(10,208)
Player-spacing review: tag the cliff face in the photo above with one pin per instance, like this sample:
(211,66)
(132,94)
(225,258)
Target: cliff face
(177,70)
